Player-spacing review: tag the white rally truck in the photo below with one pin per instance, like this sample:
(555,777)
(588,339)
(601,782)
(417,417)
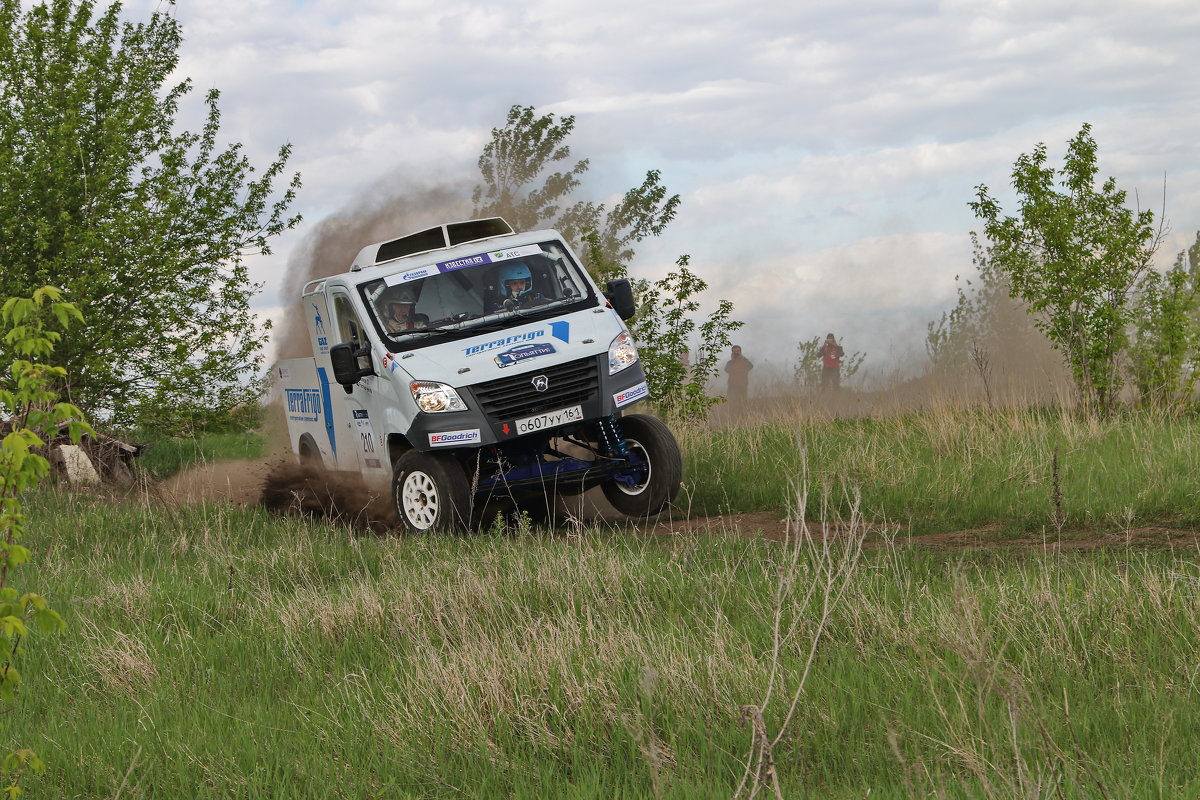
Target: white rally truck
(467,363)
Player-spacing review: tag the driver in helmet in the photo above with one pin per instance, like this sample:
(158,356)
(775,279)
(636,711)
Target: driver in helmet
(400,314)
(516,288)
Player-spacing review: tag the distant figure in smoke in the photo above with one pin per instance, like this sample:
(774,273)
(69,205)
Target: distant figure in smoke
(831,363)
(686,363)
(738,367)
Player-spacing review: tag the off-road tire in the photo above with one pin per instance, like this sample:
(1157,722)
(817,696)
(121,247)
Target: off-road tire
(657,444)
(310,454)
(430,493)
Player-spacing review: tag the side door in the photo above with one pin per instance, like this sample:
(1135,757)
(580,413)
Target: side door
(364,403)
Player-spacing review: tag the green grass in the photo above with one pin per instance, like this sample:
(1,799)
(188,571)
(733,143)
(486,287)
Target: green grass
(221,653)
(946,470)
(162,457)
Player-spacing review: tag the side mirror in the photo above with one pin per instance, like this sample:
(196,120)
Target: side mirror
(620,295)
(347,368)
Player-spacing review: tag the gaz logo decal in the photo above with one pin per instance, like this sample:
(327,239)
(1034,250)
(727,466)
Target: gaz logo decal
(470,436)
(631,395)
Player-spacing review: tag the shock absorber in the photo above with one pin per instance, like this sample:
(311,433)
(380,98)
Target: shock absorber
(609,434)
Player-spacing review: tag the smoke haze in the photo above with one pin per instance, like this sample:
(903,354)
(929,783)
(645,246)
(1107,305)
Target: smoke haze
(386,211)
(1015,363)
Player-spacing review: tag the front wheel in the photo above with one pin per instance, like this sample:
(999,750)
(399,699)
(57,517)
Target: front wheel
(430,492)
(656,469)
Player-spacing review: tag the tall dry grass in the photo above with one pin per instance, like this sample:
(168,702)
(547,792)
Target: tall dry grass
(222,653)
(951,468)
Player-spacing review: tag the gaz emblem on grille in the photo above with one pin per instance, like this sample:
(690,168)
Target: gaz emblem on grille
(541,383)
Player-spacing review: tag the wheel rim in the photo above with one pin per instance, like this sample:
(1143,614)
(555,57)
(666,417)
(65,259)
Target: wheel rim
(419,500)
(632,446)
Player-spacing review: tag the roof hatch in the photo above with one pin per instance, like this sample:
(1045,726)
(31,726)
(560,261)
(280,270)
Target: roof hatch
(448,235)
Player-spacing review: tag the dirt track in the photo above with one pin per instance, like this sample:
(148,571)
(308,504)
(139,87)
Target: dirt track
(278,484)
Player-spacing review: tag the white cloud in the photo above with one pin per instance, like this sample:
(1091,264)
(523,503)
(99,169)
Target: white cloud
(812,142)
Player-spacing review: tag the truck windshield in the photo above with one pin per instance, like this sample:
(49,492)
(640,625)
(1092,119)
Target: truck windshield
(488,290)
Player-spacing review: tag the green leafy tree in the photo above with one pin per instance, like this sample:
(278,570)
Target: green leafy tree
(145,227)
(664,327)
(520,183)
(29,415)
(1073,253)
(809,363)
(1164,355)
(515,158)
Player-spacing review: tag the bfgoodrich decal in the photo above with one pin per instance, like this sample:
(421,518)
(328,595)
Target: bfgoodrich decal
(631,395)
(454,437)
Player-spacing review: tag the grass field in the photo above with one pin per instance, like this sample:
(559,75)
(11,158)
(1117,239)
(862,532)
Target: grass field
(220,653)
(952,469)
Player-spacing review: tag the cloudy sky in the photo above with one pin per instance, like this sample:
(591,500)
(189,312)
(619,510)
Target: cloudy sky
(825,151)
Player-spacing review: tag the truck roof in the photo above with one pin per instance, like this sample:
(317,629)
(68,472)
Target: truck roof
(369,258)
(441,237)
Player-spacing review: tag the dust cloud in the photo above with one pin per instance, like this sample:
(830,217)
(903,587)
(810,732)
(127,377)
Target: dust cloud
(387,210)
(1007,363)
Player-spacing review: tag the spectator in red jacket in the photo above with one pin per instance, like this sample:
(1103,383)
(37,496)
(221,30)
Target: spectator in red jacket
(831,363)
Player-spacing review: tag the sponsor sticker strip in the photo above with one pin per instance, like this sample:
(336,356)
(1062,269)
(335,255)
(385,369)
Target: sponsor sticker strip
(462,263)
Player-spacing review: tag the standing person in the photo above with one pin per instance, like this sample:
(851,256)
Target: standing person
(831,363)
(738,368)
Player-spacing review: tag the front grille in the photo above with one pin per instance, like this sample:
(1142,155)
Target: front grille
(515,397)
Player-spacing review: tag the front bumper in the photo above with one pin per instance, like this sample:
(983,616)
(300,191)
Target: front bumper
(494,407)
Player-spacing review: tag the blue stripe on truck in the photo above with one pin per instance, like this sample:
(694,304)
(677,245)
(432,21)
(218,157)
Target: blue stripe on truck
(325,398)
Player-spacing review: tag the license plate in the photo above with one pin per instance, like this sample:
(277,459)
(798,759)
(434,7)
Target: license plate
(550,419)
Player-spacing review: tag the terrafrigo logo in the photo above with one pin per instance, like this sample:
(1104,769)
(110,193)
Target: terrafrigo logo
(303,403)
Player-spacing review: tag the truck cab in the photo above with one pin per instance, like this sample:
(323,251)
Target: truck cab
(468,363)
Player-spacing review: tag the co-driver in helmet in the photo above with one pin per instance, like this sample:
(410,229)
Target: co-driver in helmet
(401,313)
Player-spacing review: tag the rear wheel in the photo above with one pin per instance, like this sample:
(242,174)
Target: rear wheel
(310,454)
(430,493)
(655,473)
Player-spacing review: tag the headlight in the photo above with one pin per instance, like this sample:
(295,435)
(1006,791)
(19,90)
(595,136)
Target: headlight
(435,397)
(621,353)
